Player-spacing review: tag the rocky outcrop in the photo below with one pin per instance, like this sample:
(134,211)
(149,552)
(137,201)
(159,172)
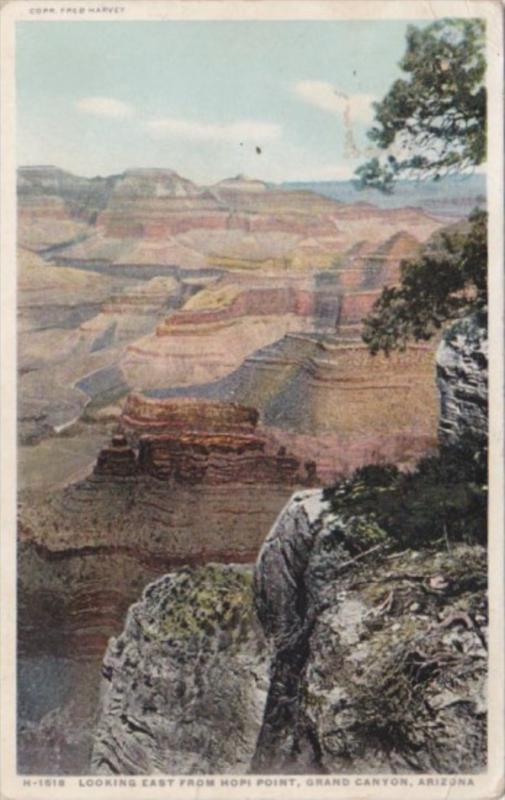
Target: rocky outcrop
(199,441)
(370,651)
(373,661)
(462,377)
(184,685)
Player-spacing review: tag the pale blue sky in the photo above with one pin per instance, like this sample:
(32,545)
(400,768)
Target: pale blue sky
(200,97)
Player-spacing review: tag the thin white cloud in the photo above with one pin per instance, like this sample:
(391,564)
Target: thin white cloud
(326,97)
(242,131)
(104,107)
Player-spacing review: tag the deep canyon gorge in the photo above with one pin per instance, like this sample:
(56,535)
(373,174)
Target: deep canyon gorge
(190,358)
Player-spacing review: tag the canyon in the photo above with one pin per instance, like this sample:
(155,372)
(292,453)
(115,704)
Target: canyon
(189,357)
(342,651)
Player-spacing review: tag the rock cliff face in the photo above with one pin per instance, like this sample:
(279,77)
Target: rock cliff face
(462,374)
(243,311)
(369,651)
(185,684)
(326,399)
(377,662)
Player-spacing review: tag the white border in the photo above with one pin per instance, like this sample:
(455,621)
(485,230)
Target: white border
(487,785)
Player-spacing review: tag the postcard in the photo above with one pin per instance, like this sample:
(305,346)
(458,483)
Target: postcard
(251,443)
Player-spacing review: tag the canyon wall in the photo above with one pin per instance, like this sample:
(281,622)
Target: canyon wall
(189,357)
(156,217)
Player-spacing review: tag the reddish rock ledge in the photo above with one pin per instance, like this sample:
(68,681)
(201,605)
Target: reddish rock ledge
(193,441)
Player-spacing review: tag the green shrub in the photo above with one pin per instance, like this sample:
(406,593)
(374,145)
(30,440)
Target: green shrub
(443,500)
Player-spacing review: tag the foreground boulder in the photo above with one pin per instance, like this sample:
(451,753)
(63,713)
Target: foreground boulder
(185,684)
(380,658)
(372,660)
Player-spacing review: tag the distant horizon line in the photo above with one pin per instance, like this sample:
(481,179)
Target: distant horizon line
(239,177)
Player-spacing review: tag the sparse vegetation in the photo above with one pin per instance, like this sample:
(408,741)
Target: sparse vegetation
(206,601)
(443,500)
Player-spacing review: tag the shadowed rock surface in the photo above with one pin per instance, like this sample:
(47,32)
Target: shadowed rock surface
(380,662)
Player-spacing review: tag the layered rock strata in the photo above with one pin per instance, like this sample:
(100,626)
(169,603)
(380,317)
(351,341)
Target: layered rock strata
(326,399)
(241,313)
(155,216)
(74,325)
(198,441)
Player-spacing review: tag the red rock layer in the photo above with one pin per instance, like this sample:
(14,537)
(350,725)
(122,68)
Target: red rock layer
(192,441)
(216,458)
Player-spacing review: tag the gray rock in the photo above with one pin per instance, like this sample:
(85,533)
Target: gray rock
(462,377)
(185,684)
(360,682)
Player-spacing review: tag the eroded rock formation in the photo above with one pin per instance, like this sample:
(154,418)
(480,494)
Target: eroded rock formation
(462,376)
(185,684)
(195,441)
(366,675)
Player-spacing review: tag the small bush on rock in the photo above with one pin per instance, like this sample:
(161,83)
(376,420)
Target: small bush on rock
(443,500)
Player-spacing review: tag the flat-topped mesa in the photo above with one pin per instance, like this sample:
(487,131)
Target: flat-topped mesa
(233,302)
(192,441)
